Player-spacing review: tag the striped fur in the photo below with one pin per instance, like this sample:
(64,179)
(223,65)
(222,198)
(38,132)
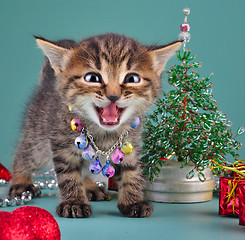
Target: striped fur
(47,136)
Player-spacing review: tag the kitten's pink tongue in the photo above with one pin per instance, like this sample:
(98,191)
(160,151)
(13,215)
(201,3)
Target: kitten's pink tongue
(109,114)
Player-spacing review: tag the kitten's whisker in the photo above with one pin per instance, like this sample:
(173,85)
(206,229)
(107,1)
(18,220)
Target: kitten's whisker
(136,55)
(82,105)
(88,53)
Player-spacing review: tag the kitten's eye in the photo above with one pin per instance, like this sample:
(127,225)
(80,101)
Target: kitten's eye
(93,77)
(132,78)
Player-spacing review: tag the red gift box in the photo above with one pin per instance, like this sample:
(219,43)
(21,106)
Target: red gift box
(242,204)
(229,195)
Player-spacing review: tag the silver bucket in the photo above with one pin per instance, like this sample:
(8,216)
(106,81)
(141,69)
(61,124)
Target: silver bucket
(172,185)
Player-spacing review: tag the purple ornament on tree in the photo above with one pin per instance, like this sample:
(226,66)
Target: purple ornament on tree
(95,167)
(117,157)
(88,153)
(108,170)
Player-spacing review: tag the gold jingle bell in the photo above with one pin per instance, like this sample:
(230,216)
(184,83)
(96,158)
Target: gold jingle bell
(127,147)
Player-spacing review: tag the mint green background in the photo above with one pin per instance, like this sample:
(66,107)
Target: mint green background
(218,39)
(217,32)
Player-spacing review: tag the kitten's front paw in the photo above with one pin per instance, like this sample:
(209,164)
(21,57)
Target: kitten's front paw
(136,210)
(18,189)
(74,209)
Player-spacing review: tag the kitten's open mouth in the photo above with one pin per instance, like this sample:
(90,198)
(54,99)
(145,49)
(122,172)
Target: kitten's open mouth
(109,115)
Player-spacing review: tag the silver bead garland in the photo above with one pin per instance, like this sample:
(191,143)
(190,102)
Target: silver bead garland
(43,180)
(18,200)
(3,182)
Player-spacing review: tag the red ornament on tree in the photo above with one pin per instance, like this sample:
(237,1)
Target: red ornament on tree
(185,27)
(4,173)
(28,223)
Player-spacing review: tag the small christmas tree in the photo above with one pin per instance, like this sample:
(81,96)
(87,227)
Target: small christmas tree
(186,122)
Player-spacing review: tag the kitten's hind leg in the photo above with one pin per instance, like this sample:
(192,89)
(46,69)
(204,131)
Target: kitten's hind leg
(29,158)
(23,183)
(94,191)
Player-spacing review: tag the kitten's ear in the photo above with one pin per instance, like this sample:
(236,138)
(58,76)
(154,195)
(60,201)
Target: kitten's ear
(56,54)
(160,55)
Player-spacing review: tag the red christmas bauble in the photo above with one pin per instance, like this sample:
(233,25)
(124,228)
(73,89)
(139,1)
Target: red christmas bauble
(12,229)
(4,173)
(42,222)
(28,223)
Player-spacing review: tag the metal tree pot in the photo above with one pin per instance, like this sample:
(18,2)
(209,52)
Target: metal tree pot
(173,186)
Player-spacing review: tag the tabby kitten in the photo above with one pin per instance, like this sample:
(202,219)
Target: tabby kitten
(108,80)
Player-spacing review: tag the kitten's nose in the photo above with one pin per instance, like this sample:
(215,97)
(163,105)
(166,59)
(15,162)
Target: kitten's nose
(113,98)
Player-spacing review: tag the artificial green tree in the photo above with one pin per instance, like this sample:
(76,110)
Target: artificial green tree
(187,123)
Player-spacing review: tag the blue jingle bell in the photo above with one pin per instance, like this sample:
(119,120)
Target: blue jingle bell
(117,157)
(136,122)
(108,170)
(88,153)
(81,142)
(95,167)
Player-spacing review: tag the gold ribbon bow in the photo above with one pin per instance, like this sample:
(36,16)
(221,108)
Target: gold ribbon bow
(232,194)
(238,167)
